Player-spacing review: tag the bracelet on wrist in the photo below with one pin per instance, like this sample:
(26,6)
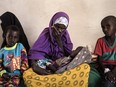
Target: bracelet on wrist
(106,70)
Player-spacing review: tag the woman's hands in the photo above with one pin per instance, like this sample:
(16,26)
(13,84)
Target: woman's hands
(57,36)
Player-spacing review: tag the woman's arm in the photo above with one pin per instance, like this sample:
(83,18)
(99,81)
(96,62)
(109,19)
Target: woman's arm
(59,41)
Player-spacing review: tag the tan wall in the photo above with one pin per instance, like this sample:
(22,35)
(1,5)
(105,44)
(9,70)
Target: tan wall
(85,17)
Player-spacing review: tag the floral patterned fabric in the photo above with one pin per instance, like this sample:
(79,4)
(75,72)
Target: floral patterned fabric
(13,62)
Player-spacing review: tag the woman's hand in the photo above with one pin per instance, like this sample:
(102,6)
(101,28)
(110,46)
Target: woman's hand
(63,60)
(57,36)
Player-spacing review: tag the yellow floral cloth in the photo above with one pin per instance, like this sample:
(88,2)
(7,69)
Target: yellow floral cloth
(77,77)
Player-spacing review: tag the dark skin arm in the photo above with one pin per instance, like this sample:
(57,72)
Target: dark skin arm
(6,76)
(58,39)
(76,51)
(57,36)
(38,69)
(110,74)
(52,68)
(101,66)
(114,71)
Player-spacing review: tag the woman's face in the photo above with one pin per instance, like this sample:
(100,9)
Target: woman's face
(12,38)
(58,29)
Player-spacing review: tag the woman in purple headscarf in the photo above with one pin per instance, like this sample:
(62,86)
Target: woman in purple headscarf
(53,43)
(51,53)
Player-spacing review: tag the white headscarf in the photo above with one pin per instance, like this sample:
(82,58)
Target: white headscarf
(61,20)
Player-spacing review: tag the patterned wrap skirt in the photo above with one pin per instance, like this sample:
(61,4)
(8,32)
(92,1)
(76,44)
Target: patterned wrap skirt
(76,77)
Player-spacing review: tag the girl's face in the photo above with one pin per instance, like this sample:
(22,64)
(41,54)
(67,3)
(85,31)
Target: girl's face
(58,29)
(108,28)
(12,38)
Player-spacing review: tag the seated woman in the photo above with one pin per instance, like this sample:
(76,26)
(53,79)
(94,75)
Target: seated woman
(54,44)
(78,56)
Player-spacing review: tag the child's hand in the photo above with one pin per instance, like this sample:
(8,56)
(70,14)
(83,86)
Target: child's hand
(110,76)
(51,67)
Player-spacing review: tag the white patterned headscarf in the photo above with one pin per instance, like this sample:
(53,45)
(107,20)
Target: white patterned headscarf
(61,20)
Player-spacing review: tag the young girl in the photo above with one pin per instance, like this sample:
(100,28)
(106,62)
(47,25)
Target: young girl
(106,51)
(13,58)
(9,18)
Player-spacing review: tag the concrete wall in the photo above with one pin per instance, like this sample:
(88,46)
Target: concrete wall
(85,17)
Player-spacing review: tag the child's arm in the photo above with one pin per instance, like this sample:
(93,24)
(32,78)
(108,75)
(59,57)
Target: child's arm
(106,72)
(51,67)
(37,69)
(24,61)
(114,74)
(3,72)
(101,66)
(110,76)
(114,71)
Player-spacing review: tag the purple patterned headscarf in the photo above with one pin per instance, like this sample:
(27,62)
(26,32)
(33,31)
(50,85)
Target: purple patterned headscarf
(46,45)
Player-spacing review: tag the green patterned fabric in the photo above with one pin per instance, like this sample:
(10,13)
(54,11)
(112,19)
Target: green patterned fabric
(94,77)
